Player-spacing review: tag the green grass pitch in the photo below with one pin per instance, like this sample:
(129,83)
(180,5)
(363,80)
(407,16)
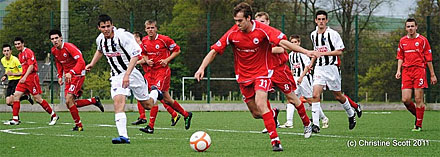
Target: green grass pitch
(232,134)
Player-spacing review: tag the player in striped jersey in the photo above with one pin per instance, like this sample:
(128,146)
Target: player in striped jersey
(122,53)
(326,73)
(300,65)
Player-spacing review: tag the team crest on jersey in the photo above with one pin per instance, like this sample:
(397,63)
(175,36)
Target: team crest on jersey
(218,43)
(157,46)
(417,44)
(64,54)
(429,51)
(256,41)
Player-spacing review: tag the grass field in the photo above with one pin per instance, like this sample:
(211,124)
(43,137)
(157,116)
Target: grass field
(232,134)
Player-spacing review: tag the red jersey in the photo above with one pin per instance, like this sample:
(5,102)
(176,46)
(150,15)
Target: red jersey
(160,48)
(251,50)
(279,59)
(27,58)
(414,51)
(69,60)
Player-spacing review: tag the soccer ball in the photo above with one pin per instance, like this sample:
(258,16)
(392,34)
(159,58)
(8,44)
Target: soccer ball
(200,141)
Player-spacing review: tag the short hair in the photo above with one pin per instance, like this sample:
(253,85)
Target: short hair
(6,45)
(295,36)
(55,32)
(150,22)
(138,34)
(321,12)
(262,13)
(411,20)
(104,18)
(245,8)
(19,39)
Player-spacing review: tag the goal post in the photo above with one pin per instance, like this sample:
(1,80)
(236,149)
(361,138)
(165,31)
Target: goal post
(192,78)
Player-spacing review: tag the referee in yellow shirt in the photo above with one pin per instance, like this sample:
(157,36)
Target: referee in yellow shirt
(13,72)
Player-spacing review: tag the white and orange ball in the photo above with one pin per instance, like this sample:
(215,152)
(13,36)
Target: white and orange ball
(200,141)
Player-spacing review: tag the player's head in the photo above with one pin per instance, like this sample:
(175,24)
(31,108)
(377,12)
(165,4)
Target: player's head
(19,43)
(243,16)
(411,26)
(7,50)
(56,38)
(321,18)
(263,17)
(138,36)
(295,39)
(105,25)
(151,28)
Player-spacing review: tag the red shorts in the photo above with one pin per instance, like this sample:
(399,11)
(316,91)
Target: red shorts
(159,77)
(248,89)
(414,77)
(74,86)
(283,79)
(30,86)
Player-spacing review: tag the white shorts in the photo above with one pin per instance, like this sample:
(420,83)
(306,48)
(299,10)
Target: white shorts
(327,76)
(305,88)
(137,84)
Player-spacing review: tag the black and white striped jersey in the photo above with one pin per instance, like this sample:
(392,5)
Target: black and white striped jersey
(327,42)
(298,63)
(118,50)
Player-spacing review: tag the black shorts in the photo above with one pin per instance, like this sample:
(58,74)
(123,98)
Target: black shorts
(11,87)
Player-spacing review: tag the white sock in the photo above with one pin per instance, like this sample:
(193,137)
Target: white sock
(321,113)
(315,112)
(348,108)
(153,95)
(121,123)
(290,109)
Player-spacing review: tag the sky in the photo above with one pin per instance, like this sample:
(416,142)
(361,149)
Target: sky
(398,8)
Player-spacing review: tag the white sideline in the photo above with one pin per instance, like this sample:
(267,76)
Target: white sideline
(13,131)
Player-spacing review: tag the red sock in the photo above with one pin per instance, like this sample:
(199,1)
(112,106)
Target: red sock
(153,114)
(169,109)
(85,102)
(302,114)
(141,111)
(352,103)
(74,112)
(179,109)
(269,123)
(47,108)
(270,108)
(420,112)
(411,107)
(15,108)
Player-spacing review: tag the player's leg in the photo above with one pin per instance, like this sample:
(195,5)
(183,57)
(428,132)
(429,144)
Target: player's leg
(420,108)
(142,119)
(148,101)
(406,100)
(43,103)
(293,99)
(290,110)
(347,107)
(356,107)
(70,103)
(269,122)
(164,87)
(120,118)
(174,116)
(15,109)
(316,106)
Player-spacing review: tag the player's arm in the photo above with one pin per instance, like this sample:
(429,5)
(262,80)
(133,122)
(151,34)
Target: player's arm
(399,68)
(96,57)
(293,47)
(332,53)
(431,71)
(164,62)
(277,49)
(59,71)
(208,59)
(77,56)
(306,69)
(29,70)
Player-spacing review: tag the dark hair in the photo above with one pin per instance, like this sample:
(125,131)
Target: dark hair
(6,45)
(19,39)
(138,34)
(321,12)
(245,8)
(295,36)
(104,18)
(55,31)
(411,20)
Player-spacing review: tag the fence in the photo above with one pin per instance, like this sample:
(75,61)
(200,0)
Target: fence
(368,63)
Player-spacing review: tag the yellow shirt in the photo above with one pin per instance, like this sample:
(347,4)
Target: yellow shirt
(13,65)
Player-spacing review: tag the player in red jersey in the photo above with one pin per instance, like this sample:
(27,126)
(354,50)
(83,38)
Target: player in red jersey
(142,119)
(251,43)
(413,55)
(70,64)
(283,79)
(28,84)
(157,51)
